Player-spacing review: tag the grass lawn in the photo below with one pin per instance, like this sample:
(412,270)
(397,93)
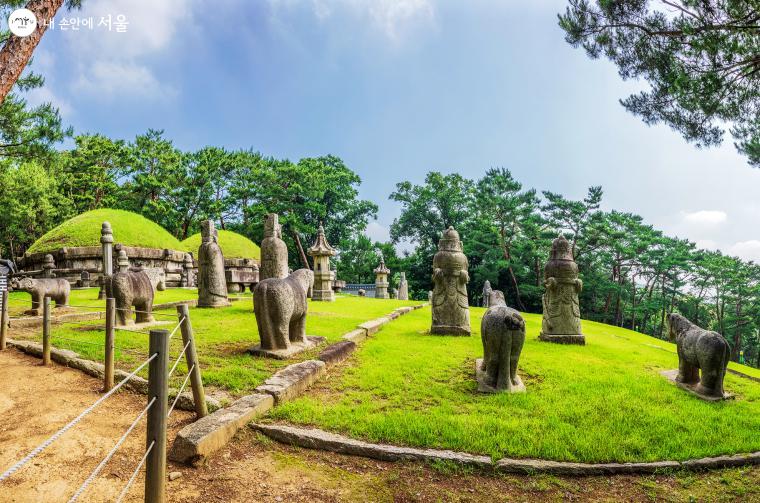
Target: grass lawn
(602,402)
(222,335)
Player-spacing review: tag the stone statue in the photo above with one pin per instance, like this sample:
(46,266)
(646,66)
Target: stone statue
(403,288)
(487,293)
(699,349)
(430,296)
(562,317)
(451,312)
(274,251)
(131,288)
(58,289)
(322,289)
(212,285)
(280,306)
(503,333)
(84,279)
(381,280)
(188,272)
(48,267)
(361,292)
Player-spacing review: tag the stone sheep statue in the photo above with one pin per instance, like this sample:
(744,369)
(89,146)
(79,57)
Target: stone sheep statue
(503,333)
(58,289)
(280,307)
(699,349)
(131,288)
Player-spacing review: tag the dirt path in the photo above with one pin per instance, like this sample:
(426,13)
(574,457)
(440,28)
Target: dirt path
(35,401)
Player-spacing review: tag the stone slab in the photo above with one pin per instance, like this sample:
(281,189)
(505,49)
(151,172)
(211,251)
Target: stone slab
(404,309)
(563,339)
(322,440)
(336,353)
(373,326)
(357,335)
(483,387)
(283,354)
(671,375)
(293,380)
(197,441)
(536,466)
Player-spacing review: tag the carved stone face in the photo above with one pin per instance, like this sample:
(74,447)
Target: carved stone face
(22,283)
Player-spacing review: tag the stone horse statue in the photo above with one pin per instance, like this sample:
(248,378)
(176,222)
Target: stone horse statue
(503,333)
(58,289)
(699,349)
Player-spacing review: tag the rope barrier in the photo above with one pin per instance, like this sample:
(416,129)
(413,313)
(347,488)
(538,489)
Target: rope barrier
(110,454)
(134,474)
(176,328)
(181,389)
(44,445)
(178,359)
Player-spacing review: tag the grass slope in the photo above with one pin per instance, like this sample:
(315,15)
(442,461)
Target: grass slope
(233,245)
(222,335)
(602,402)
(129,229)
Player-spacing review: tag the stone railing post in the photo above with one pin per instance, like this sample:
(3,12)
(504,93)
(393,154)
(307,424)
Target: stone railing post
(106,241)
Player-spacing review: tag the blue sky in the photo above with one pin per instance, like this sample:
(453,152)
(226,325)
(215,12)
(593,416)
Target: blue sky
(396,89)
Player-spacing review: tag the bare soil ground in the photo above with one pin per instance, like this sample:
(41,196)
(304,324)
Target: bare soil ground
(35,401)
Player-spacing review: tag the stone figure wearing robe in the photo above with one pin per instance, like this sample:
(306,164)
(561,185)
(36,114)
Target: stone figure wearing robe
(212,285)
(451,312)
(562,317)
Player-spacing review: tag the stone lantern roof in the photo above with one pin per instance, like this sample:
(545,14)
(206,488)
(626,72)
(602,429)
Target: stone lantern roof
(321,247)
(382,269)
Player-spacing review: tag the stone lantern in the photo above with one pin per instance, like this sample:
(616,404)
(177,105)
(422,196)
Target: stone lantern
(381,280)
(323,276)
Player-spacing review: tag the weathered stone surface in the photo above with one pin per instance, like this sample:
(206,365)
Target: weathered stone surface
(186,402)
(274,251)
(393,315)
(404,309)
(311,341)
(319,439)
(693,388)
(174,476)
(336,353)
(56,289)
(403,288)
(487,293)
(381,280)
(373,326)
(280,306)
(562,317)
(157,277)
(197,441)
(502,332)
(535,466)
(293,380)
(212,284)
(699,350)
(357,335)
(722,461)
(451,312)
(323,276)
(131,288)
(361,292)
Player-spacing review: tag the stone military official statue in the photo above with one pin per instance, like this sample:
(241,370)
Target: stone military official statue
(451,311)
(562,317)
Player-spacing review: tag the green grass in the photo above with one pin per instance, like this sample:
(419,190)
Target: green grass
(129,229)
(222,335)
(602,402)
(233,245)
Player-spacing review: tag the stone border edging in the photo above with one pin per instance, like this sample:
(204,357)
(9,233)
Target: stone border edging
(742,374)
(312,438)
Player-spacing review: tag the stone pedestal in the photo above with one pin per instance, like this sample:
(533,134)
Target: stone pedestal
(484,387)
(293,349)
(671,375)
(561,321)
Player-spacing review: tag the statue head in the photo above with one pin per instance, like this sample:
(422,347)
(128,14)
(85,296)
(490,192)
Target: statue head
(496,298)
(208,231)
(23,283)
(677,324)
(561,249)
(450,241)
(304,277)
(272,226)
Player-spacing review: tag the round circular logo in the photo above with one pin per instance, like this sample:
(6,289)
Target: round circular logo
(22,22)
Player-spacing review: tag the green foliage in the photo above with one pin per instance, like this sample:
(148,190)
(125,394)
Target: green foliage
(233,245)
(129,229)
(701,59)
(606,402)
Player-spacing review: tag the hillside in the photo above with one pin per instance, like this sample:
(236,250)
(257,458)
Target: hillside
(233,245)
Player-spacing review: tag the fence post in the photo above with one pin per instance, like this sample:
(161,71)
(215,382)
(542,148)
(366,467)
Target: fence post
(191,358)
(109,347)
(46,330)
(4,321)
(158,388)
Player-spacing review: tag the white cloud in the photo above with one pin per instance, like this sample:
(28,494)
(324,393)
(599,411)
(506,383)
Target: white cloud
(378,232)
(44,94)
(394,16)
(116,79)
(748,250)
(705,217)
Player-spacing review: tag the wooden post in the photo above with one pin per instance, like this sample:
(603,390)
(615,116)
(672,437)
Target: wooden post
(46,330)
(4,321)
(158,388)
(191,358)
(109,344)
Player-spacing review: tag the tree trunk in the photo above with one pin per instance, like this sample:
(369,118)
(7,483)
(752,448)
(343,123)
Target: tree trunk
(737,334)
(17,51)
(513,280)
(301,253)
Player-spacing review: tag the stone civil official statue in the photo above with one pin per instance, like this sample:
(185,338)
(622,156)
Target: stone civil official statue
(451,312)
(212,285)
(562,317)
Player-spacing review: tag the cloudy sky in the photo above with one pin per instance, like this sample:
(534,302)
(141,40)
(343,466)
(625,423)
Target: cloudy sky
(396,89)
